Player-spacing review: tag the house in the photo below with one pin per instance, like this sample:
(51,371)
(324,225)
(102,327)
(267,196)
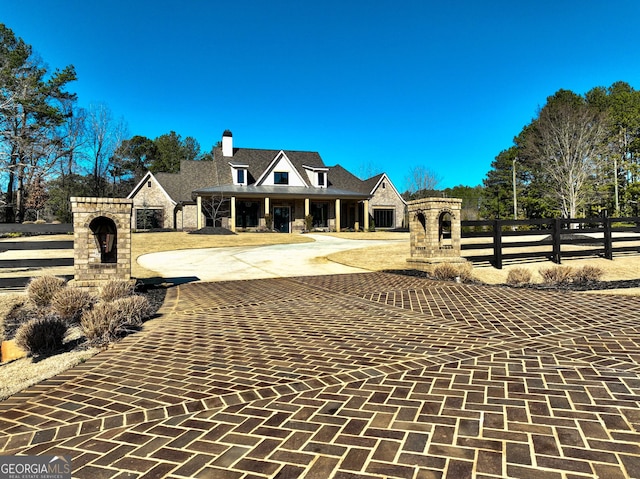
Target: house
(255,189)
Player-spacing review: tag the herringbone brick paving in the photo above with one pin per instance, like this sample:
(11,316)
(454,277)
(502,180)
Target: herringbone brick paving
(352,376)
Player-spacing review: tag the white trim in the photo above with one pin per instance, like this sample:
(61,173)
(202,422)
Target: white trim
(383,177)
(273,164)
(235,168)
(147,177)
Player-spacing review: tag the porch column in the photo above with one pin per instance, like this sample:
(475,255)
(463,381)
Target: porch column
(199,212)
(232,220)
(306,207)
(366,215)
(337,214)
(266,209)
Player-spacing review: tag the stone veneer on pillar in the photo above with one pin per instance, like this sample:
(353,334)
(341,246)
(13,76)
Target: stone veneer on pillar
(101,240)
(435,232)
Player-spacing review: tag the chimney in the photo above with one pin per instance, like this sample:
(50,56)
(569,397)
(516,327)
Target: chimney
(227,143)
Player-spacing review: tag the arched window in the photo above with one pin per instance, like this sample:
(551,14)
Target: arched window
(444,229)
(105,236)
(422,220)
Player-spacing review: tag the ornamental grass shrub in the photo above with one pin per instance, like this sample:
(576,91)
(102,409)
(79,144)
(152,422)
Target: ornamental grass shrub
(42,336)
(587,274)
(556,275)
(41,289)
(100,324)
(70,303)
(518,276)
(132,310)
(107,322)
(115,289)
(453,272)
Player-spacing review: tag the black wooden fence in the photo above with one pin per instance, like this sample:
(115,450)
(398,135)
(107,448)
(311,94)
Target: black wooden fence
(16,272)
(561,237)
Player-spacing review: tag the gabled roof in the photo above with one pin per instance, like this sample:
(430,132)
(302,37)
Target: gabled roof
(279,157)
(149,177)
(258,161)
(193,174)
(374,182)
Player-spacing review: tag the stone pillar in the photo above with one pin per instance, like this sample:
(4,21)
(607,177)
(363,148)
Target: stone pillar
(101,240)
(434,227)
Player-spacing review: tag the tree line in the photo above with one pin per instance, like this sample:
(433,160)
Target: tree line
(579,155)
(52,149)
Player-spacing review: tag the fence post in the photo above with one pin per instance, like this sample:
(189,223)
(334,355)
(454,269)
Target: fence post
(497,244)
(608,242)
(557,239)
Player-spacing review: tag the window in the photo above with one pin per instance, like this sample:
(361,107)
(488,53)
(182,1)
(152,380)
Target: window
(149,184)
(321,178)
(148,218)
(320,212)
(241,177)
(281,177)
(383,218)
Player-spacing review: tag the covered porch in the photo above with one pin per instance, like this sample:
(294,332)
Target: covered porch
(245,208)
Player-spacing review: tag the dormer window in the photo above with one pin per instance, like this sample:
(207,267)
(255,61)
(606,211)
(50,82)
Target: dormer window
(280,177)
(317,175)
(239,174)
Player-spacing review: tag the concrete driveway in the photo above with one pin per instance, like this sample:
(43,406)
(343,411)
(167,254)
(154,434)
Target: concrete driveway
(256,262)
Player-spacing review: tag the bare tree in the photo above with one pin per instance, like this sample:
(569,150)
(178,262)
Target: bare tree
(103,136)
(216,207)
(369,169)
(567,140)
(421,182)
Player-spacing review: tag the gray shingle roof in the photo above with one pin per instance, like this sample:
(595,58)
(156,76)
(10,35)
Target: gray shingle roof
(193,174)
(215,176)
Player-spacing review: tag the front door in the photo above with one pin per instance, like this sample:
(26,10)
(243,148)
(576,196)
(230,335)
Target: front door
(281,218)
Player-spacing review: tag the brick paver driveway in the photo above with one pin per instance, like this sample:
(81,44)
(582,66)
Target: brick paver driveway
(351,376)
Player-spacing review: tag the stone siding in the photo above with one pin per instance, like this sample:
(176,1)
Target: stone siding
(388,198)
(153,197)
(89,270)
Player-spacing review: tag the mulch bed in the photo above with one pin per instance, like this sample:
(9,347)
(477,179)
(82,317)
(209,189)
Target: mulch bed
(590,286)
(211,230)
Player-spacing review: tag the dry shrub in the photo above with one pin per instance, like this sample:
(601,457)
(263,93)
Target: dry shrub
(109,321)
(41,290)
(69,303)
(556,275)
(518,276)
(115,289)
(133,309)
(100,323)
(8,304)
(453,272)
(587,274)
(42,336)
(19,315)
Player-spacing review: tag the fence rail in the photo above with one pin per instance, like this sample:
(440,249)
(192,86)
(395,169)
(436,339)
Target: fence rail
(561,238)
(33,252)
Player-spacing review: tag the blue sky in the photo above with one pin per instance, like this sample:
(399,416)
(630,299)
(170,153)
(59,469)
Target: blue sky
(373,85)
